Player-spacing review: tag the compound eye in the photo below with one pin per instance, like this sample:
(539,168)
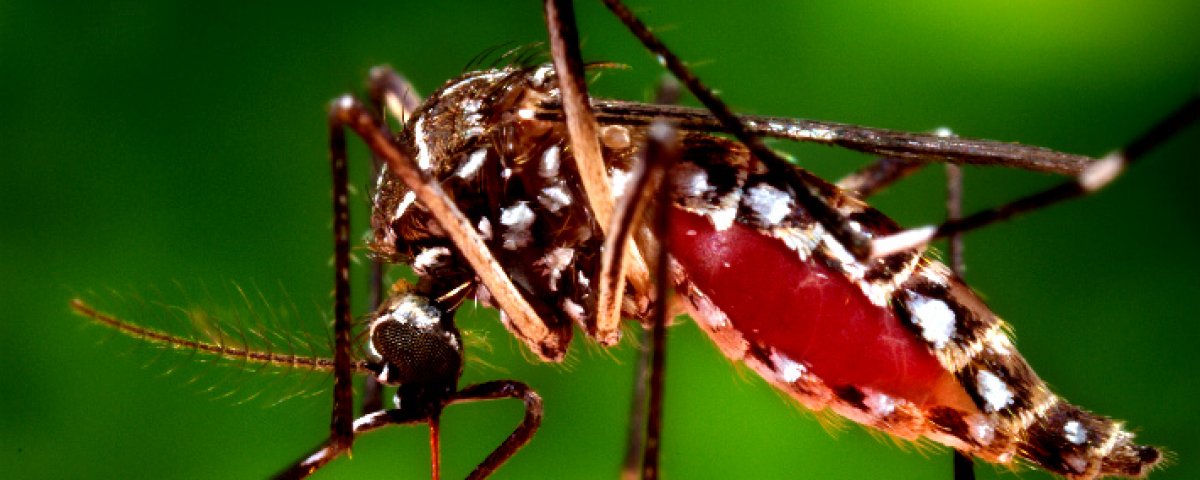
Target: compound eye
(413,346)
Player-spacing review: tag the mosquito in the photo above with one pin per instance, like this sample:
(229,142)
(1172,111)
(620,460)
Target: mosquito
(479,168)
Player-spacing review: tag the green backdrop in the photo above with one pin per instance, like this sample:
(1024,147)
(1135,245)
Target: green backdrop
(148,144)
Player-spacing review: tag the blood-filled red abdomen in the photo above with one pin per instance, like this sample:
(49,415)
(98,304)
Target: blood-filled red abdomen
(805,310)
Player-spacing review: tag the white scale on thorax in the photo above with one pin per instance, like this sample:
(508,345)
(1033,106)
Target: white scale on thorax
(516,219)
(470,107)
(474,161)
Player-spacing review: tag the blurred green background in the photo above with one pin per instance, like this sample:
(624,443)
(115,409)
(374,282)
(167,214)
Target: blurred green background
(153,143)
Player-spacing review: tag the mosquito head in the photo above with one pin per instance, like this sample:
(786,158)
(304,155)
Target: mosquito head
(412,344)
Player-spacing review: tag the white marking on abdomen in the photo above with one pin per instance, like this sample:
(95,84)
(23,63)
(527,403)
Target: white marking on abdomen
(1074,432)
(769,203)
(995,393)
(934,317)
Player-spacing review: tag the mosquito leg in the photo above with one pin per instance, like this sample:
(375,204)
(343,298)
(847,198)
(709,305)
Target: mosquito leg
(1093,178)
(391,94)
(661,154)
(954,199)
(520,436)
(881,142)
(435,446)
(647,186)
(962,465)
(341,428)
(341,423)
(667,93)
(581,123)
(585,145)
(635,433)
(879,175)
(646,180)
(327,452)
(311,462)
